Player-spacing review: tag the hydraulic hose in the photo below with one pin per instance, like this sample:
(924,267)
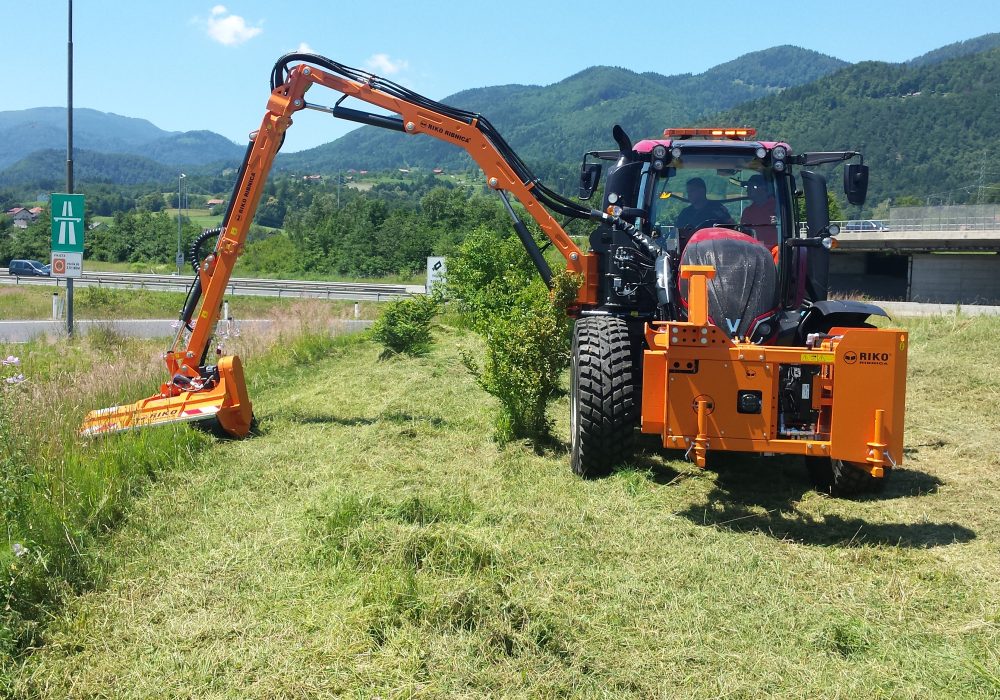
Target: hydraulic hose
(552,200)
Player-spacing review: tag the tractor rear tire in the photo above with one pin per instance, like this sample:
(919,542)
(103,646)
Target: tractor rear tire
(843,479)
(603,410)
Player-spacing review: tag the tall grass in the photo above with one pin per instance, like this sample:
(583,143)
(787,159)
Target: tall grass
(58,493)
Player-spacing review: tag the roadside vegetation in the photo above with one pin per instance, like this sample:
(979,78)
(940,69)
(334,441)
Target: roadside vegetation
(375,541)
(60,496)
(302,230)
(25,303)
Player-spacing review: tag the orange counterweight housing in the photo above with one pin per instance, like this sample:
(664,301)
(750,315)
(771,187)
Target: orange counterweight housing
(702,391)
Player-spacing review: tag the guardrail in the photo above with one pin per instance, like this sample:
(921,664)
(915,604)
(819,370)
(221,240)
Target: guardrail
(351,291)
(954,223)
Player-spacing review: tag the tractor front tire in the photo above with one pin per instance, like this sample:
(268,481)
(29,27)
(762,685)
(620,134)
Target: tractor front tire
(603,410)
(843,479)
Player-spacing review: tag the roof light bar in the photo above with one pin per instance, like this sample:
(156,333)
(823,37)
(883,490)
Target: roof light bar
(711,132)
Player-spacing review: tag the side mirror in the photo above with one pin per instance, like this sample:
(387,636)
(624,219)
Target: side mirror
(590,175)
(856,182)
(817,205)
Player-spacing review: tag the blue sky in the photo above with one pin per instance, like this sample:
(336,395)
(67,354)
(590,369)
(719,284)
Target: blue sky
(191,64)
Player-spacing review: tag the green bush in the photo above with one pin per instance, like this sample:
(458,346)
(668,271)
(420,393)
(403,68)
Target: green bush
(404,326)
(524,325)
(527,349)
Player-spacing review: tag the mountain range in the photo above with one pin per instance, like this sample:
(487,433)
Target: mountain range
(926,122)
(26,131)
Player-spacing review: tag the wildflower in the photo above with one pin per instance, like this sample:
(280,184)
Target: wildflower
(16,379)
(19,549)
(12,361)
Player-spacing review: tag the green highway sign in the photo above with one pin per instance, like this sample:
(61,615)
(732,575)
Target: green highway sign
(67,223)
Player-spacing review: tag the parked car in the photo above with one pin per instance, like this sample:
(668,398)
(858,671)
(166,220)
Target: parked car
(865,225)
(28,268)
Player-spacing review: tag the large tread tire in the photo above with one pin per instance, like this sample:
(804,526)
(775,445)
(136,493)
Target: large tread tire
(842,479)
(603,386)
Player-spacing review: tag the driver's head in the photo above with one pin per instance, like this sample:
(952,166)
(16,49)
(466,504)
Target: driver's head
(696,191)
(757,188)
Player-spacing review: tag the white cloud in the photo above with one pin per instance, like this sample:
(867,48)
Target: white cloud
(381,63)
(305,48)
(229,29)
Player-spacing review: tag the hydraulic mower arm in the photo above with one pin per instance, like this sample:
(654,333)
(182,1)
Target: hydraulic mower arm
(196,391)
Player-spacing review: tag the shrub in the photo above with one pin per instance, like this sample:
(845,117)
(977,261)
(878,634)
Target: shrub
(404,326)
(527,348)
(524,325)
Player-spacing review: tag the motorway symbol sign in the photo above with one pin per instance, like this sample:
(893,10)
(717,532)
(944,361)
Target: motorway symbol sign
(66,264)
(67,223)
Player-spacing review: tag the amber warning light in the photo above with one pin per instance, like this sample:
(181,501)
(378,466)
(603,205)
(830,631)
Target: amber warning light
(712,132)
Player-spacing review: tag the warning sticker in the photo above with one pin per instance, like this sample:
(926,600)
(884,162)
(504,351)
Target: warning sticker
(816,357)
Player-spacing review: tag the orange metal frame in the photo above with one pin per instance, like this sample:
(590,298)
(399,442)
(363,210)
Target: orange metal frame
(172,404)
(693,372)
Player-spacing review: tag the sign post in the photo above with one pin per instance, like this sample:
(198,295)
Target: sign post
(67,241)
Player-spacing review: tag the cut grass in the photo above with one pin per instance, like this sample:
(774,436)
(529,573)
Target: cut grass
(375,542)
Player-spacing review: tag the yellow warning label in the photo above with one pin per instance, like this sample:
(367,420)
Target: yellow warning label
(817,357)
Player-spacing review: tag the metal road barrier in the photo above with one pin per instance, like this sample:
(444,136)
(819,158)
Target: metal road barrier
(351,291)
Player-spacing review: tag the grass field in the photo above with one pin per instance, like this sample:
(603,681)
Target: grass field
(375,542)
(27,303)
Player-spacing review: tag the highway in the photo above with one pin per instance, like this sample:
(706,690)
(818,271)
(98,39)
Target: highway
(349,291)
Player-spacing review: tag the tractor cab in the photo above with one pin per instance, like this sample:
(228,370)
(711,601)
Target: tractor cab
(720,204)
(716,197)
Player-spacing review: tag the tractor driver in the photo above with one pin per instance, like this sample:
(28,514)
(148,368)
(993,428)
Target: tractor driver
(701,211)
(760,215)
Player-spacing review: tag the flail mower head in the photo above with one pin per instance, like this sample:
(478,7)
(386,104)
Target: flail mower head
(220,398)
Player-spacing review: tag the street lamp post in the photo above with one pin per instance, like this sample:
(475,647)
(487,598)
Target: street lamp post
(180,201)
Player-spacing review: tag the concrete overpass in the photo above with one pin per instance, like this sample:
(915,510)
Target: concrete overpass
(954,261)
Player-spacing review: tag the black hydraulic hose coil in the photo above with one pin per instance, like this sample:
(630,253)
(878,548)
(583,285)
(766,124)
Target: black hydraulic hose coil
(195,252)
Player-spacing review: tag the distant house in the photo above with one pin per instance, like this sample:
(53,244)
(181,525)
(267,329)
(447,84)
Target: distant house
(37,211)
(215,202)
(21,216)
(438,171)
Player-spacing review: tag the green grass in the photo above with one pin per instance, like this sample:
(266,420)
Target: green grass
(199,217)
(35,303)
(374,541)
(61,496)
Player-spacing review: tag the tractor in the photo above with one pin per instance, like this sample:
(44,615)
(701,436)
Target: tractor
(702,315)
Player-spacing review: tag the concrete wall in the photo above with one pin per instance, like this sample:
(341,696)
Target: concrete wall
(952,278)
(958,278)
(854,274)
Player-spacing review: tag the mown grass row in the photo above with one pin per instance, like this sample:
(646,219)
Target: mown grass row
(59,494)
(375,541)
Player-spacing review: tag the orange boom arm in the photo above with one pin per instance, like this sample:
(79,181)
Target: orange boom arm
(197,392)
